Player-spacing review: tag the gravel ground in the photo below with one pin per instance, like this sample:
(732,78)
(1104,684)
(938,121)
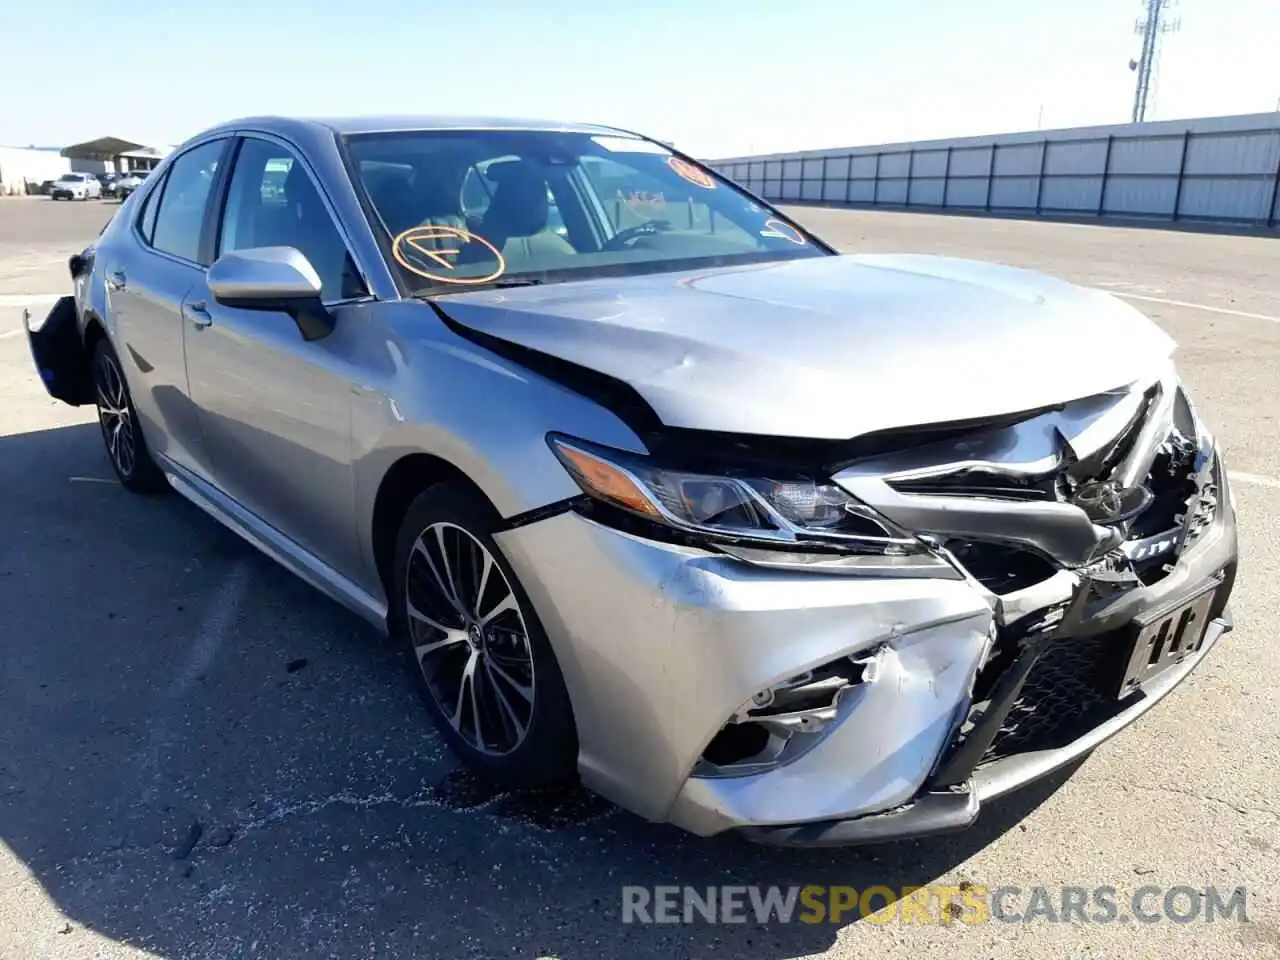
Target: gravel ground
(201,757)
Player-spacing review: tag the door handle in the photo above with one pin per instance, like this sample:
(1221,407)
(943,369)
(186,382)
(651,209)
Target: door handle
(199,314)
(116,280)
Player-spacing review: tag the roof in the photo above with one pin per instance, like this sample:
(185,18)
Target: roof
(397,122)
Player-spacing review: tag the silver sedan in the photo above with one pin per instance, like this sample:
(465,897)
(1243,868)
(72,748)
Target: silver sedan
(658,489)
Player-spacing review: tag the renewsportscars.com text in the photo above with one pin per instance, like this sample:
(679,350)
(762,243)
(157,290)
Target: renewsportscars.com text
(934,904)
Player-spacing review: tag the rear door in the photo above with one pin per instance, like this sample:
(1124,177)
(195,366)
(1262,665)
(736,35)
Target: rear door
(148,272)
(275,409)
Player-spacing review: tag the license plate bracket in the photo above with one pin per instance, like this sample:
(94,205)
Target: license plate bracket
(1163,638)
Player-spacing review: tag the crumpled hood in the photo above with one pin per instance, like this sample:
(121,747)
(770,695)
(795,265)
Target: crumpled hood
(832,347)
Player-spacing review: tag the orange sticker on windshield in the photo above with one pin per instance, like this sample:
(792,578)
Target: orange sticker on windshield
(431,251)
(778,230)
(687,171)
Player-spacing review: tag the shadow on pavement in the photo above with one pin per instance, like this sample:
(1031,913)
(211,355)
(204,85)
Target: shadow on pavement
(202,757)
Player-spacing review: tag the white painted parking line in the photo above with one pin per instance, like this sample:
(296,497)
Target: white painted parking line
(1256,478)
(1194,306)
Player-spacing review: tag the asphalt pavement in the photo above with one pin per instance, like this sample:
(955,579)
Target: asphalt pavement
(201,757)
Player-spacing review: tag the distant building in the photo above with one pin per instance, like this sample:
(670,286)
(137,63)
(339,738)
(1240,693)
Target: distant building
(113,154)
(23,169)
(24,166)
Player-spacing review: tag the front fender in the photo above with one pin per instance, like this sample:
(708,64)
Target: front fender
(485,415)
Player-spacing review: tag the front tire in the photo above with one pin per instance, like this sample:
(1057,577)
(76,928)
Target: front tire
(121,431)
(485,667)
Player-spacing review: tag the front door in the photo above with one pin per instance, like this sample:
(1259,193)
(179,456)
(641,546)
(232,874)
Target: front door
(276,409)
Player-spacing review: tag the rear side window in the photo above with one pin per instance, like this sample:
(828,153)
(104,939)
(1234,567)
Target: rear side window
(180,217)
(150,204)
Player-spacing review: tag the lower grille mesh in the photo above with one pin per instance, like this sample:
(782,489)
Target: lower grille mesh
(1069,691)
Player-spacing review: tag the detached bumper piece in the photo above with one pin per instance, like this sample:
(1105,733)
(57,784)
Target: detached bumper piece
(60,356)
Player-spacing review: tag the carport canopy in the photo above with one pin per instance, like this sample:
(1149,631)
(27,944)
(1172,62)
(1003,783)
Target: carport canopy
(104,148)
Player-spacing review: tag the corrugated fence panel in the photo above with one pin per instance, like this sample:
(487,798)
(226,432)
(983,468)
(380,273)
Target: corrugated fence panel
(1214,168)
(927,192)
(1141,196)
(1152,155)
(1255,154)
(862,191)
(894,164)
(1211,197)
(1013,193)
(1071,194)
(863,166)
(1075,158)
(929,163)
(893,191)
(1022,160)
(967,193)
(970,161)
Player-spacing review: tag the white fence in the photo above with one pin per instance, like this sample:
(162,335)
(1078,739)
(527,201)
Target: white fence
(1223,169)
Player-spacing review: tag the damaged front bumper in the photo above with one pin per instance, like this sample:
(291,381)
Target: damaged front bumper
(805,708)
(660,645)
(59,354)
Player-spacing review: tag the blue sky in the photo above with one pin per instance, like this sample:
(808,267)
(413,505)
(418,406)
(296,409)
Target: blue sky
(717,77)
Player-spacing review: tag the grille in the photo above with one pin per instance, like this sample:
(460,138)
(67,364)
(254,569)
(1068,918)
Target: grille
(1069,691)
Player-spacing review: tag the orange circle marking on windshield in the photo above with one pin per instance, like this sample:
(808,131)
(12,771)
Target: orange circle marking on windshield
(413,239)
(687,171)
(783,231)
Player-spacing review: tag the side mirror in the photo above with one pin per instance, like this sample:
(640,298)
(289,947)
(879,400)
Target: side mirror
(272,278)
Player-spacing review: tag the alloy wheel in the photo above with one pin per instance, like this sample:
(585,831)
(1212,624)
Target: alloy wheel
(115,416)
(470,639)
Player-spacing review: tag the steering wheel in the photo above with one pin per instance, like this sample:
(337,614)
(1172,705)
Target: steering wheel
(620,239)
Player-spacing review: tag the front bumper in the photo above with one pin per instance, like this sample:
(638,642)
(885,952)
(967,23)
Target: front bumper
(661,644)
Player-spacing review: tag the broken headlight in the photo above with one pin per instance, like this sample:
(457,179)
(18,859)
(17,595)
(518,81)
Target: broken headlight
(785,520)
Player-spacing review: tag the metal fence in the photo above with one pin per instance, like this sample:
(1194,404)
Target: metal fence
(1223,169)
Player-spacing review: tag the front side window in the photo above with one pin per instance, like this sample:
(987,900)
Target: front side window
(272,202)
(180,216)
(461,209)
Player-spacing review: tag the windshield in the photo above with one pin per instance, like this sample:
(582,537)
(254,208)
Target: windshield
(69,178)
(461,209)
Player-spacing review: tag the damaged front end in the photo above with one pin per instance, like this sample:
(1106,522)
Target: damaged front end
(1100,534)
(824,642)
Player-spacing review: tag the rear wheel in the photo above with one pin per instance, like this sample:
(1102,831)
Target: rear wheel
(121,431)
(485,666)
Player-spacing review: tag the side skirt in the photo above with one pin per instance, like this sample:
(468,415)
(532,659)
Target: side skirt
(280,548)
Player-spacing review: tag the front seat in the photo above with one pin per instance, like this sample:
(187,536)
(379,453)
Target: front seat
(304,222)
(516,221)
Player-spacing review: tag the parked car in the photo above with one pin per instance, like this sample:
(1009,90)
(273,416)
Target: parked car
(749,534)
(130,181)
(108,183)
(76,186)
(46,187)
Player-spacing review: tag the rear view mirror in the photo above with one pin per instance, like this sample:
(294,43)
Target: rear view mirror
(272,278)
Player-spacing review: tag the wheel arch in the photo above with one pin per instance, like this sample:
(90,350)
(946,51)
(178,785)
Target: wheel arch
(400,485)
(94,330)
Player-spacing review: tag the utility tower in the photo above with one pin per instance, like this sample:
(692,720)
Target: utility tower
(1153,27)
